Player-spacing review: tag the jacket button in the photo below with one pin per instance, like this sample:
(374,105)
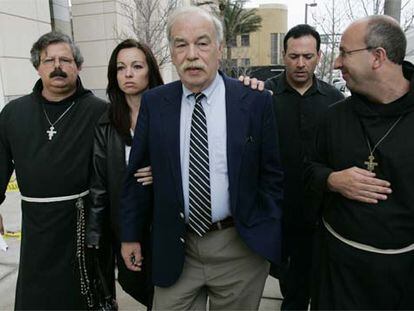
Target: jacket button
(182,240)
(182,215)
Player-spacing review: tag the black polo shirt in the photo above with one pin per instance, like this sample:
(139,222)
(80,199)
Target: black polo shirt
(297,119)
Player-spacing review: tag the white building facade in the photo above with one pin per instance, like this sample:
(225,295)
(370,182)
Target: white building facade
(21,23)
(95,26)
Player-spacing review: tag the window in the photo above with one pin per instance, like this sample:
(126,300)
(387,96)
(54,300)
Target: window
(276,48)
(245,40)
(233,42)
(245,62)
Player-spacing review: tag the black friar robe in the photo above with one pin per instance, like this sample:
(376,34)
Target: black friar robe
(348,277)
(60,166)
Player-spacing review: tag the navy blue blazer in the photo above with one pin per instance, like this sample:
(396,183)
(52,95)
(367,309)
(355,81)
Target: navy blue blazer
(254,171)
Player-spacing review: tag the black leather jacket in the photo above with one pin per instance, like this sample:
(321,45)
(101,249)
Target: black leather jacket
(106,182)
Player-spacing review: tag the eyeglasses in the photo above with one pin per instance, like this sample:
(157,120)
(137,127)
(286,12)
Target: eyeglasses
(343,53)
(63,61)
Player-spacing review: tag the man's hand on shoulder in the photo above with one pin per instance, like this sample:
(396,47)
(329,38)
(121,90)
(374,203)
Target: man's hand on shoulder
(358,184)
(252,82)
(131,253)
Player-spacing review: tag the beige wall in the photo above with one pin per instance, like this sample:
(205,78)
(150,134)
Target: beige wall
(21,23)
(274,20)
(94,31)
(97,25)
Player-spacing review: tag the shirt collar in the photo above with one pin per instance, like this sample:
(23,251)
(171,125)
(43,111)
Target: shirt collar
(208,92)
(318,85)
(283,86)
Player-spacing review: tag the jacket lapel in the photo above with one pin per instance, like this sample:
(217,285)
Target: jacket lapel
(237,132)
(170,117)
(237,127)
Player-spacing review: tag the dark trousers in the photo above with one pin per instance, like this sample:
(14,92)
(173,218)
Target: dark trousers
(294,274)
(350,279)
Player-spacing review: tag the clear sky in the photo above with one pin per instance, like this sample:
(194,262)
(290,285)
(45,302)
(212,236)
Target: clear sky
(296,9)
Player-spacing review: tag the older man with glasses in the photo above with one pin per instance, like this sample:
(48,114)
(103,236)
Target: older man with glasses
(363,168)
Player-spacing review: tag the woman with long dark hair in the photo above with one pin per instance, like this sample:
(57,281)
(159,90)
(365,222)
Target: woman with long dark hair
(132,69)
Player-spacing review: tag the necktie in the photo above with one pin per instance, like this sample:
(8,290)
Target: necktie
(199,172)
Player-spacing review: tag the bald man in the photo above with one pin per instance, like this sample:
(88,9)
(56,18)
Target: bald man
(363,167)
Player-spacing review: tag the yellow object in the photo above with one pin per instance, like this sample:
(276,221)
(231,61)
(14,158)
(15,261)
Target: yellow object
(13,186)
(12,234)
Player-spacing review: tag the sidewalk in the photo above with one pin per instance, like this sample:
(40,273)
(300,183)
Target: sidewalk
(11,212)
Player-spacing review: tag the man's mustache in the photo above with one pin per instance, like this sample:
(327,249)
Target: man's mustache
(192,65)
(58,73)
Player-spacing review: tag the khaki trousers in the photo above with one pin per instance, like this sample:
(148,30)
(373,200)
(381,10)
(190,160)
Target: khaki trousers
(218,266)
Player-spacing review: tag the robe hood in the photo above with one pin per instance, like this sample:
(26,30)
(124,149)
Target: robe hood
(80,91)
(401,106)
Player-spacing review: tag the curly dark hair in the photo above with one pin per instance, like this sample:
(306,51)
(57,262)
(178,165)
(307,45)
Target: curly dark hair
(53,37)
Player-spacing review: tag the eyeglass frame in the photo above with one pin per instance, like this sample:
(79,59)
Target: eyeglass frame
(343,53)
(51,61)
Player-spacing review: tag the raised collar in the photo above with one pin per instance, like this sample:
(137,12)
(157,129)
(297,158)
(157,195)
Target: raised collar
(283,85)
(80,91)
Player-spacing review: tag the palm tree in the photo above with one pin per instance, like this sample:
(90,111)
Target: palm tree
(237,21)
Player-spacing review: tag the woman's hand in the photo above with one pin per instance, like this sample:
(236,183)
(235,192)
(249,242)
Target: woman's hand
(144,176)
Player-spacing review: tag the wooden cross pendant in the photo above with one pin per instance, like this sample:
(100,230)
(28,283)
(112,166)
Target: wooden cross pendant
(370,163)
(51,132)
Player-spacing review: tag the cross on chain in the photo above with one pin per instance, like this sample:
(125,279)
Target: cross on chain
(370,163)
(51,132)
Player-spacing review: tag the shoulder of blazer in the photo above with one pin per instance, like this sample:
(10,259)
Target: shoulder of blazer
(235,88)
(165,90)
(239,91)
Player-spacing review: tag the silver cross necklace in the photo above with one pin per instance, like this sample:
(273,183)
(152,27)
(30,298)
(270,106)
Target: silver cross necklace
(51,131)
(371,164)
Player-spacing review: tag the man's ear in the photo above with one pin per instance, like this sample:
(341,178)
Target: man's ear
(221,48)
(380,56)
(318,55)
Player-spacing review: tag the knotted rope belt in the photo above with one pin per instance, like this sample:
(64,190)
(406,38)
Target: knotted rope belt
(365,247)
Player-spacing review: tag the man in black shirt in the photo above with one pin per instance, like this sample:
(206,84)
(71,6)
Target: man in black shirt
(299,100)
(364,167)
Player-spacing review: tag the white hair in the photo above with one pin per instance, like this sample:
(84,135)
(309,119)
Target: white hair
(190,10)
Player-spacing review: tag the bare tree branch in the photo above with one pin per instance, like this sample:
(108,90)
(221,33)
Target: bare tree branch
(364,6)
(349,11)
(335,14)
(407,20)
(405,4)
(330,22)
(146,22)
